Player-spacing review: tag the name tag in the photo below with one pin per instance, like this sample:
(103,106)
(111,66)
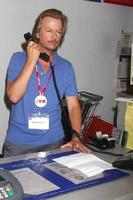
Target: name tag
(38,121)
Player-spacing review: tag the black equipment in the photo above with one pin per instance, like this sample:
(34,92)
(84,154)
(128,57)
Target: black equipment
(125,161)
(102,141)
(10,187)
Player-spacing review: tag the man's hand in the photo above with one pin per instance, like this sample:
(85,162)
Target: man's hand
(75,144)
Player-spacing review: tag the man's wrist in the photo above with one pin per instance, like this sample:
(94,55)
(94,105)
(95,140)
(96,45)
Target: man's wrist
(78,135)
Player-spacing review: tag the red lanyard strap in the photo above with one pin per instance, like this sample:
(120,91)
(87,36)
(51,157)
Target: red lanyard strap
(39,83)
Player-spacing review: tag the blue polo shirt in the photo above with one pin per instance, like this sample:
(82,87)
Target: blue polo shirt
(18,132)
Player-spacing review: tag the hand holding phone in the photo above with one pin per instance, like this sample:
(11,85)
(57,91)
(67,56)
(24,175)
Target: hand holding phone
(43,56)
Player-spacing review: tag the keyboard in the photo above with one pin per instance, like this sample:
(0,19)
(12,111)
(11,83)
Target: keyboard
(125,161)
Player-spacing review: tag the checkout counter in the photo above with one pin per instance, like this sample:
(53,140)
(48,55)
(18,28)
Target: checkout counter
(119,189)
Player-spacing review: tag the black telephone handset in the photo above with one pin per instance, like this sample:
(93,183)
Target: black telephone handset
(43,56)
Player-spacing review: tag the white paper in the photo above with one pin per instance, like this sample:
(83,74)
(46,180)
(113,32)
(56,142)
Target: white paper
(88,164)
(32,182)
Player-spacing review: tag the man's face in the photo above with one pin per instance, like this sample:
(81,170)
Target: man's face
(50,33)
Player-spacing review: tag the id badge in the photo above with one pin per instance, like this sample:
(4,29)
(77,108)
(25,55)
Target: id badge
(38,121)
(41,101)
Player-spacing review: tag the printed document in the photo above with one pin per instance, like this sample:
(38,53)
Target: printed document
(88,164)
(32,182)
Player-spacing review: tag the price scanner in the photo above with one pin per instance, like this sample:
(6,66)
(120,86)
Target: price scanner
(10,187)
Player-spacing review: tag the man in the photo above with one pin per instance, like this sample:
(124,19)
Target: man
(35,120)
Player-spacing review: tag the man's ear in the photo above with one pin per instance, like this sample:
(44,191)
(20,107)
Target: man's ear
(37,35)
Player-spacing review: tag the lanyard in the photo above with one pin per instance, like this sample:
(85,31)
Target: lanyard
(39,83)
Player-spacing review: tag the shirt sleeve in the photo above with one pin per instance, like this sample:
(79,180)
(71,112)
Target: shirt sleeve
(15,66)
(70,82)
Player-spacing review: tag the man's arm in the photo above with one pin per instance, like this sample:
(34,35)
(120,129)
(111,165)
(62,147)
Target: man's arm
(15,89)
(75,119)
(74,112)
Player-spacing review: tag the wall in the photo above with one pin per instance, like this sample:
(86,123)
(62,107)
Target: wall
(91,41)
